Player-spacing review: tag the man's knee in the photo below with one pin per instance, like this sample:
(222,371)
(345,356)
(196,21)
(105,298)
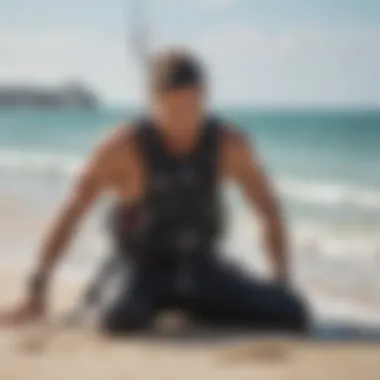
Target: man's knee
(133,314)
(122,323)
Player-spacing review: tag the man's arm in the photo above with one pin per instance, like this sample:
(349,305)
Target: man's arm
(85,192)
(89,186)
(246,169)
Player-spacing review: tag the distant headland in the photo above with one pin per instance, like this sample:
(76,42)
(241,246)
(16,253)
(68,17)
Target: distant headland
(70,95)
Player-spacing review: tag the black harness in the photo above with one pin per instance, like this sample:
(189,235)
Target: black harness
(180,216)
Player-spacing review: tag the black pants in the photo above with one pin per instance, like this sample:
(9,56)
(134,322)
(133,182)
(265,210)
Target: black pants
(213,293)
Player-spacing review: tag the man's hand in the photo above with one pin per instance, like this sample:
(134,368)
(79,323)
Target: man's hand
(32,309)
(282,275)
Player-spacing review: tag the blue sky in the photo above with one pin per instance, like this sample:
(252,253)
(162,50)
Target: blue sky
(259,52)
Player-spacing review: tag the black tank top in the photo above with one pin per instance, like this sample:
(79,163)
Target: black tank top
(181,214)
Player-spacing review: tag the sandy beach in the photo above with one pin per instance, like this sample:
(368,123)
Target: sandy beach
(84,354)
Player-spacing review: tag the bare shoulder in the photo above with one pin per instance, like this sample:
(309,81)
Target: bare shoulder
(117,146)
(121,141)
(121,138)
(238,154)
(234,140)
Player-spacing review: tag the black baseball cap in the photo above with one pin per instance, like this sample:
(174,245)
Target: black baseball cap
(174,70)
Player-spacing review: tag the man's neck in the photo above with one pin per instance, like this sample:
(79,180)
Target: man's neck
(180,140)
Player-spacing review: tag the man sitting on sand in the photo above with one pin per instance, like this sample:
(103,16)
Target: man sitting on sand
(166,170)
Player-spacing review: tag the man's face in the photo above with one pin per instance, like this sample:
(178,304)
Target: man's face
(181,108)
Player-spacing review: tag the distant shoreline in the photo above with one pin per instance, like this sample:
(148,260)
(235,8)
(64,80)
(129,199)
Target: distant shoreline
(69,96)
(133,109)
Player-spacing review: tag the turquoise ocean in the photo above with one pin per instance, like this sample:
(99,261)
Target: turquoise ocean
(325,166)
